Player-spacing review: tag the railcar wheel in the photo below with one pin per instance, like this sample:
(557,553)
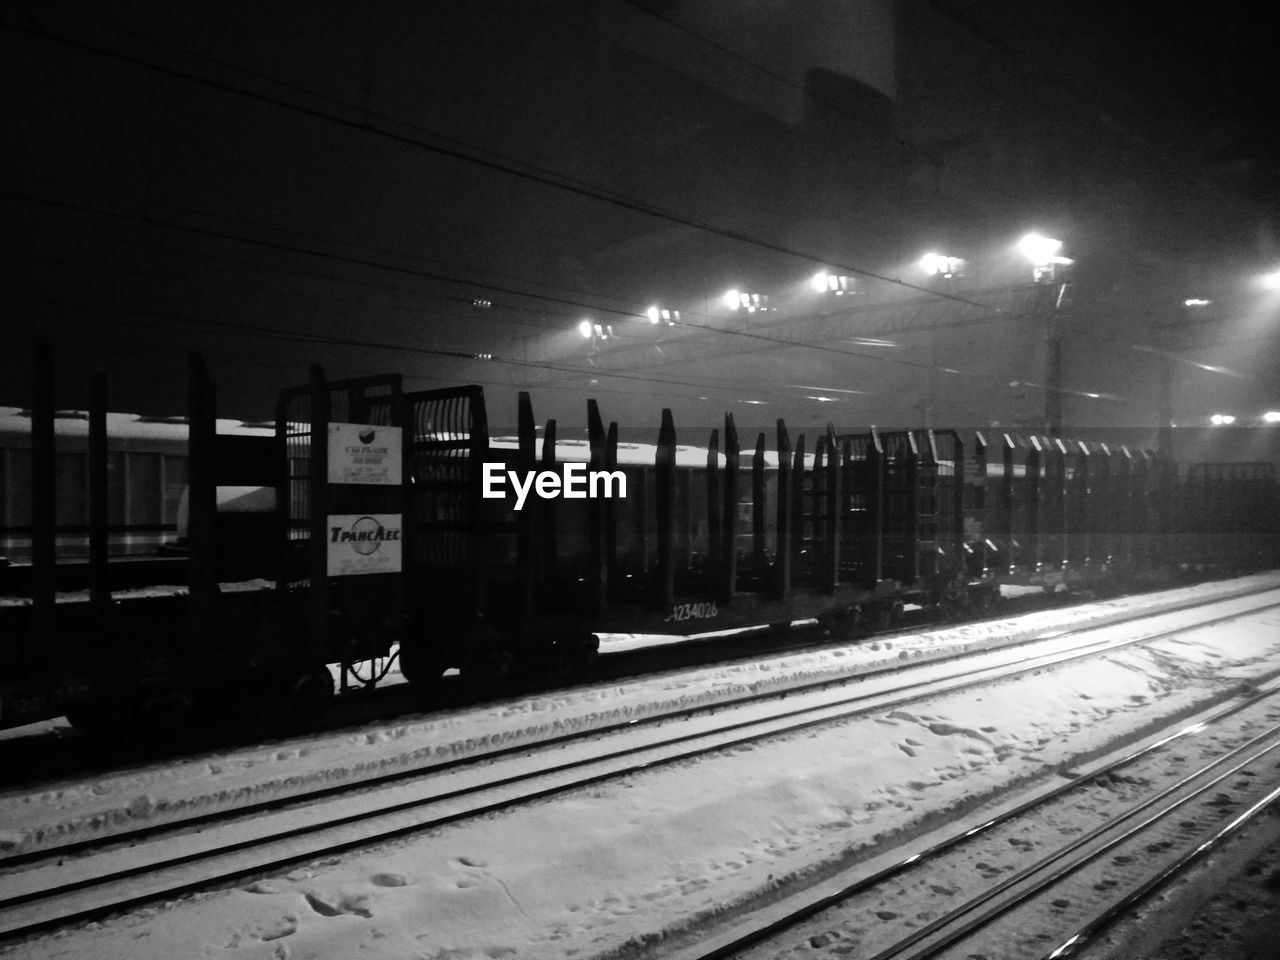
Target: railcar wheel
(887,615)
(99,721)
(493,672)
(986,600)
(855,622)
(423,670)
(954,604)
(577,656)
(167,718)
(308,696)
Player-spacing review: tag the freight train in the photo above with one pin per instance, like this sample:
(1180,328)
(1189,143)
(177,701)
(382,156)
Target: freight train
(367,522)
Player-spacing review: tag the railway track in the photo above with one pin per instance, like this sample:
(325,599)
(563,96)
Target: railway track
(55,886)
(1035,898)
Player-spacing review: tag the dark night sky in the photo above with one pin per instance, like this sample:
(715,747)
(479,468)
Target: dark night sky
(338,183)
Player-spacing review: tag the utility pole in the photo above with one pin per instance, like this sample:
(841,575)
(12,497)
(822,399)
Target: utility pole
(1045,254)
(1053,357)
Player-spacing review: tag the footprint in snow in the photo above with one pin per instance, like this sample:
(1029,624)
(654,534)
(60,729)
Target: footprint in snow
(472,862)
(264,886)
(347,904)
(284,927)
(389,880)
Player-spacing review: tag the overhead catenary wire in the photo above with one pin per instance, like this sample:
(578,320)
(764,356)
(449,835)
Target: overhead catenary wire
(463,151)
(271,244)
(468,154)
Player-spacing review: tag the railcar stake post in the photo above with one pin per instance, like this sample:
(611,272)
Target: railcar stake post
(317,618)
(758,511)
(833,512)
(715,554)
(527,519)
(43,550)
(547,508)
(201,506)
(664,497)
(729,540)
(596,515)
(99,589)
(782,544)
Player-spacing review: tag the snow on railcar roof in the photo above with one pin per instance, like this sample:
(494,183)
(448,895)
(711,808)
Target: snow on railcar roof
(631,454)
(15,422)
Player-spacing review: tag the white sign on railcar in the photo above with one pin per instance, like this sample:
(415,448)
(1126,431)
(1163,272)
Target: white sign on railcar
(361,543)
(364,453)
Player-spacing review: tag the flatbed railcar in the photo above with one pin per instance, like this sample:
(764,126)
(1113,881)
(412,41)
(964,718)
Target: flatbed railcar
(366,536)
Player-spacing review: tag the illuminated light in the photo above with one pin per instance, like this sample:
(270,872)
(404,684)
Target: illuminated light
(940,265)
(827,282)
(750,302)
(756,403)
(822,399)
(870,342)
(584,328)
(482,304)
(599,330)
(1271,416)
(653,314)
(1196,302)
(809,386)
(1222,419)
(1271,281)
(1040,250)
(484,356)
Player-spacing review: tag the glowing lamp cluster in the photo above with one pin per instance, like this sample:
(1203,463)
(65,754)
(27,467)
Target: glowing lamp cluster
(825,282)
(1045,255)
(599,331)
(658,315)
(750,302)
(940,265)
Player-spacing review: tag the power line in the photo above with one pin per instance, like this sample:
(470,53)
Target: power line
(275,245)
(468,155)
(150,319)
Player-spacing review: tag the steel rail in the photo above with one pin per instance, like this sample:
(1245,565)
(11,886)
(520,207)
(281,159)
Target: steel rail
(1085,934)
(35,908)
(67,844)
(735,943)
(1064,870)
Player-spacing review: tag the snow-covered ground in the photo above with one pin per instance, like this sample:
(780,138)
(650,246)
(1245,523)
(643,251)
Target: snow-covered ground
(75,810)
(598,871)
